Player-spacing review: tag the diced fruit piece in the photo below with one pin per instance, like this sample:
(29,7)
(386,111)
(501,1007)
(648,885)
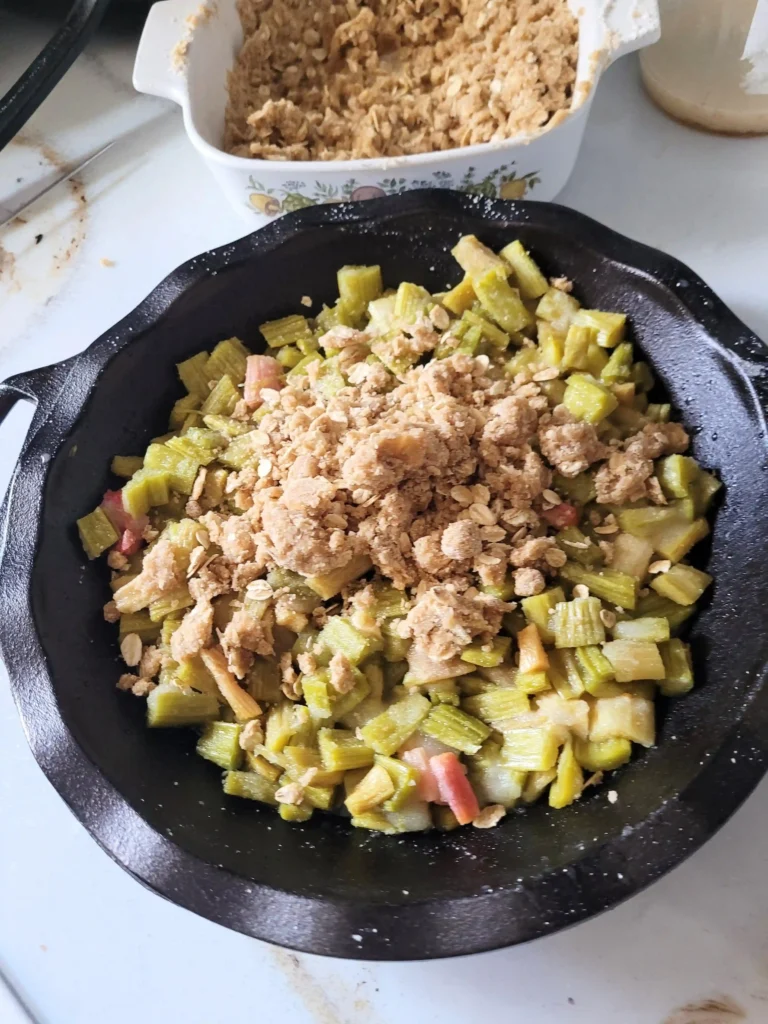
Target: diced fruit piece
(569,781)
(605,756)
(587,399)
(682,584)
(626,717)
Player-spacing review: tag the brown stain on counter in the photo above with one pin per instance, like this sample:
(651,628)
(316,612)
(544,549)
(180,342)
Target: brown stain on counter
(316,1001)
(715,1010)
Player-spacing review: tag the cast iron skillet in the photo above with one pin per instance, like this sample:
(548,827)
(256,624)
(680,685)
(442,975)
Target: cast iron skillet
(157,809)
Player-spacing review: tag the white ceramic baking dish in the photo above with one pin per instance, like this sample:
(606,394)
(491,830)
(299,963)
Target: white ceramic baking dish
(187,49)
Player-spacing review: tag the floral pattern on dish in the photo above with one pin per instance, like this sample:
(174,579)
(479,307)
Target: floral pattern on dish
(501,183)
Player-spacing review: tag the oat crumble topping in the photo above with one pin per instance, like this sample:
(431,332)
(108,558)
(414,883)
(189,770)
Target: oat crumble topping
(395,77)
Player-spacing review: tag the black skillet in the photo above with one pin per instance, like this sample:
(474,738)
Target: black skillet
(322,887)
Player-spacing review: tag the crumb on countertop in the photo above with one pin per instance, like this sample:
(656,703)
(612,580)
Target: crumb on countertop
(106,262)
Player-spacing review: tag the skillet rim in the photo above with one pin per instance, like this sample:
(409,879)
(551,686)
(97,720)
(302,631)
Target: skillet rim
(559,898)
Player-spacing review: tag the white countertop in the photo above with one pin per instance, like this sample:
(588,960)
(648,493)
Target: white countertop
(81,941)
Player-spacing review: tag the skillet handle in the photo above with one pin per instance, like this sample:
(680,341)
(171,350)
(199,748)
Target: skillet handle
(41,387)
(26,95)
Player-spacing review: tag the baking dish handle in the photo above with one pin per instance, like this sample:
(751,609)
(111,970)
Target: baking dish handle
(160,58)
(631,25)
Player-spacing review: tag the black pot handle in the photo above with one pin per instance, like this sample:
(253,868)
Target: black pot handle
(41,386)
(26,95)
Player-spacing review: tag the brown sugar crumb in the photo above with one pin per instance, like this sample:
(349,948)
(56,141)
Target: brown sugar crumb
(395,77)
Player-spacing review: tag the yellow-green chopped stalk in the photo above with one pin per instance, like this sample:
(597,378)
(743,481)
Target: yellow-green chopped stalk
(411,302)
(532,682)
(141,624)
(497,706)
(182,471)
(618,369)
(174,601)
(389,730)
(339,636)
(682,584)
(241,451)
(626,717)
(675,540)
(341,750)
(605,756)
(576,355)
(120,580)
(579,547)
(705,488)
(126,465)
(501,301)
(521,361)
(445,691)
(653,629)
(470,686)
(226,426)
(299,759)
(305,641)
(96,533)
(455,728)
(596,672)
(656,605)
(165,631)
(319,797)
(375,821)
(288,356)
(644,522)
(460,297)
(443,818)
(607,584)
(659,412)
(530,749)
(241,702)
(146,489)
(285,723)
(634,659)
(588,399)
(195,444)
(373,789)
(569,781)
(578,489)
(539,610)
(577,623)
(330,380)
(168,705)
(677,474)
(347,702)
(565,674)
(317,694)
(301,368)
(551,344)
(631,555)
(530,280)
(404,778)
(259,764)
(357,287)
(493,781)
(288,330)
(220,743)
(558,308)
(332,583)
(489,655)
(389,602)
(609,326)
(193,375)
(228,357)
(296,813)
(536,783)
(476,259)
(498,338)
(222,399)
(504,591)
(251,786)
(678,671)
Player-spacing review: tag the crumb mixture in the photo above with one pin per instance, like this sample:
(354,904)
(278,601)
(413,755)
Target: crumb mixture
(340,81)
(444,482)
